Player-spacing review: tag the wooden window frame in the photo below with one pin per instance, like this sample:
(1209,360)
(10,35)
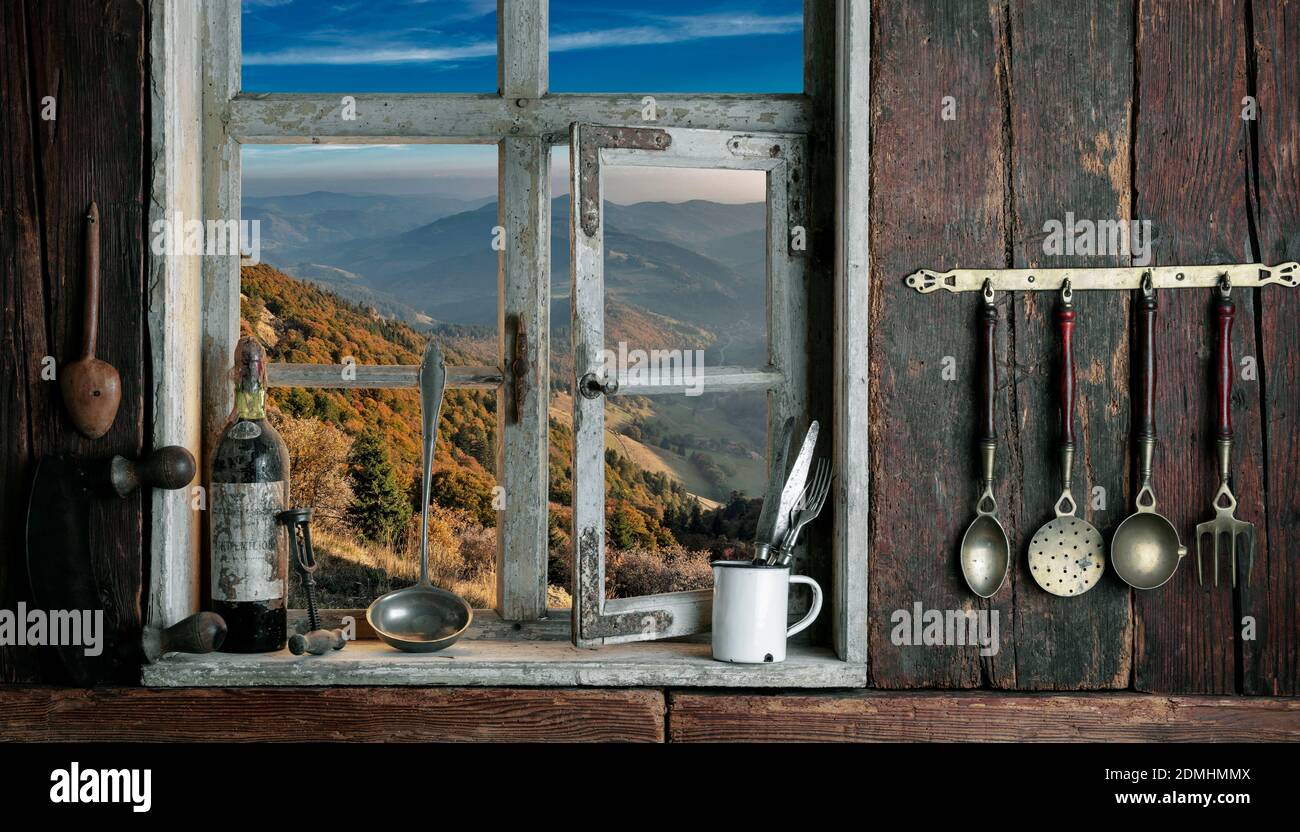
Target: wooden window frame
(781,158)
(200,119)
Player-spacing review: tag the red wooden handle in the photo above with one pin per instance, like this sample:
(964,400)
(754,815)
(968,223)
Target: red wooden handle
(90,325)
(1146,366)
(988,373)
(1227,310)
(1065,323)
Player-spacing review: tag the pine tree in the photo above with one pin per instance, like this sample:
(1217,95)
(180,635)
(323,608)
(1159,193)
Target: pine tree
(379,510)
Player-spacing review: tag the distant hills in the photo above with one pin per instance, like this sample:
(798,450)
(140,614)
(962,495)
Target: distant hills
(697,265)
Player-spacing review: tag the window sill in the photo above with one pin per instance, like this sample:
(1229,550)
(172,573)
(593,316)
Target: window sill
(508,663)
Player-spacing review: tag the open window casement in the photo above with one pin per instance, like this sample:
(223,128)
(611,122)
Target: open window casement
(596,619)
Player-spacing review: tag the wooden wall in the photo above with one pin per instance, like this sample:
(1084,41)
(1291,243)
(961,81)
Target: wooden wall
(1116,109)
(90,57)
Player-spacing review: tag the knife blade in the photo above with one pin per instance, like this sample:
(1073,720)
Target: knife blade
(767,516)
(794,483)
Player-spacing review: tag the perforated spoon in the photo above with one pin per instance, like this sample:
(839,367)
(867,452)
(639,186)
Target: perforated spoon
(1067,556)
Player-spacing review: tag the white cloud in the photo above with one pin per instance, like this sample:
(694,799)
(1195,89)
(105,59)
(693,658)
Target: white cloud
(661,30)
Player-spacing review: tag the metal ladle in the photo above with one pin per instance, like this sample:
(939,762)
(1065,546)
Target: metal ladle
(423,618)
(985,552)
(1145,550)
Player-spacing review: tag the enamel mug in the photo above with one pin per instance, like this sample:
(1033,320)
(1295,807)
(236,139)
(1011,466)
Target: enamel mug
(750,603)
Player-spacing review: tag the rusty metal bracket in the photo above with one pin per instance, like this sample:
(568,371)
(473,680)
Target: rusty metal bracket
(594,138)
(1125,278)
(519,369)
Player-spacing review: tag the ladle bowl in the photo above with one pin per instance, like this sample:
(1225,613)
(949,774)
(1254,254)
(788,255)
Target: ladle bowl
(985,555)
(1145,550)
(420,619)
(423,618)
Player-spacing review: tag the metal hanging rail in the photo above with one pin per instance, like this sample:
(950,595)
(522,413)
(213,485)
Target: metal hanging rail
(1240,275)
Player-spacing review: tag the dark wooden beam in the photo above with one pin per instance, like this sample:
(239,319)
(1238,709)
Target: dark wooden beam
(1071,80)
(984,717)
(937,202)
(1270,664)
(39,714)
(1189,182)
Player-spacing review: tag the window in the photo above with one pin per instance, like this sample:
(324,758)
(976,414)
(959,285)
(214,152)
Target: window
(553,323)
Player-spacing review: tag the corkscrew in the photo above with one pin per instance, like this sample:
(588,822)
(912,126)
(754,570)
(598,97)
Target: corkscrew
(317,640)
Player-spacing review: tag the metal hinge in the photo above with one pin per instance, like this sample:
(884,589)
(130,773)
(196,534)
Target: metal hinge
(594,137)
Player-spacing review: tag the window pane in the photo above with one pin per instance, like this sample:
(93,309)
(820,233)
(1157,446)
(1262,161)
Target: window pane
(685,269)
(630,46)
(366,252)
(376,46)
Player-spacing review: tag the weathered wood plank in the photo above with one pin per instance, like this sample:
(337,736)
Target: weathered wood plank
(331,715)
(487,663)
(852,328)
(175,299)
(90,57)
(26,407)
(1070,87)
(1188,182)
(989,717)
(296,118)
(1271,662)
(937,198)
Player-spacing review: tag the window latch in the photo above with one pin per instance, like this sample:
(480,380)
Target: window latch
(519,370)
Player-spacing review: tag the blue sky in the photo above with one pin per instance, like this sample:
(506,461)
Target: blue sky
(628,46)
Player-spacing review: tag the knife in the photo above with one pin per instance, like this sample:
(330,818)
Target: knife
(794,484)
(765,531)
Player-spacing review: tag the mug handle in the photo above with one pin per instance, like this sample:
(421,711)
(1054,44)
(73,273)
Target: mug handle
(802,624)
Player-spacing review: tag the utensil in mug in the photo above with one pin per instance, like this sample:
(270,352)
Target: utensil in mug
(750,603)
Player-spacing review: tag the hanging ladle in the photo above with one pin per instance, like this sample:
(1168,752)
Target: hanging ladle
(985,553)
(423,618)
(1145,550)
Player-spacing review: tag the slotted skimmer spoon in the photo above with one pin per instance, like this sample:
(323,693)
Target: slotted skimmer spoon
(985,552)
(1066,555)
(1145,550)
(1224,503)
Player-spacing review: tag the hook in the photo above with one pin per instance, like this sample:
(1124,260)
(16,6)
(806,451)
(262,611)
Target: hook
(988,290)
(1225,285)
(1067,293)
(1148,285)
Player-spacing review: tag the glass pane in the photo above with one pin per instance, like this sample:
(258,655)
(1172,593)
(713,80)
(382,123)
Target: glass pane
(378,46)
(630,46)
(367,252)
(354,458)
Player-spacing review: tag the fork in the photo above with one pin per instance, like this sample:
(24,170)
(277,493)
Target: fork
(805,510)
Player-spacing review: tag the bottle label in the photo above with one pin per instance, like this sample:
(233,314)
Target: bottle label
(249,554)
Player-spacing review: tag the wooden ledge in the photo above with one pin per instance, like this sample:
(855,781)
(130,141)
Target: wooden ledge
(979,716)
(487,662)
(31,714)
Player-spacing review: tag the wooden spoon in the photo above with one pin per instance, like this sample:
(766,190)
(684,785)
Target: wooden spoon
(92,389)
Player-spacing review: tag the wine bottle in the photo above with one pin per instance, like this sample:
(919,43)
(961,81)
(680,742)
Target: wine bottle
(250,485)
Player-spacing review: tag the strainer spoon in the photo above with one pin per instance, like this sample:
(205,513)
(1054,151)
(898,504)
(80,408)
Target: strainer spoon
(1067,556)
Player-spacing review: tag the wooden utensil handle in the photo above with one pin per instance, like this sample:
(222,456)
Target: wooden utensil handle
(988,373)
(1065,325)
(1146,366)
(90,321)
(317,642)
(1226,311)
(200,633)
